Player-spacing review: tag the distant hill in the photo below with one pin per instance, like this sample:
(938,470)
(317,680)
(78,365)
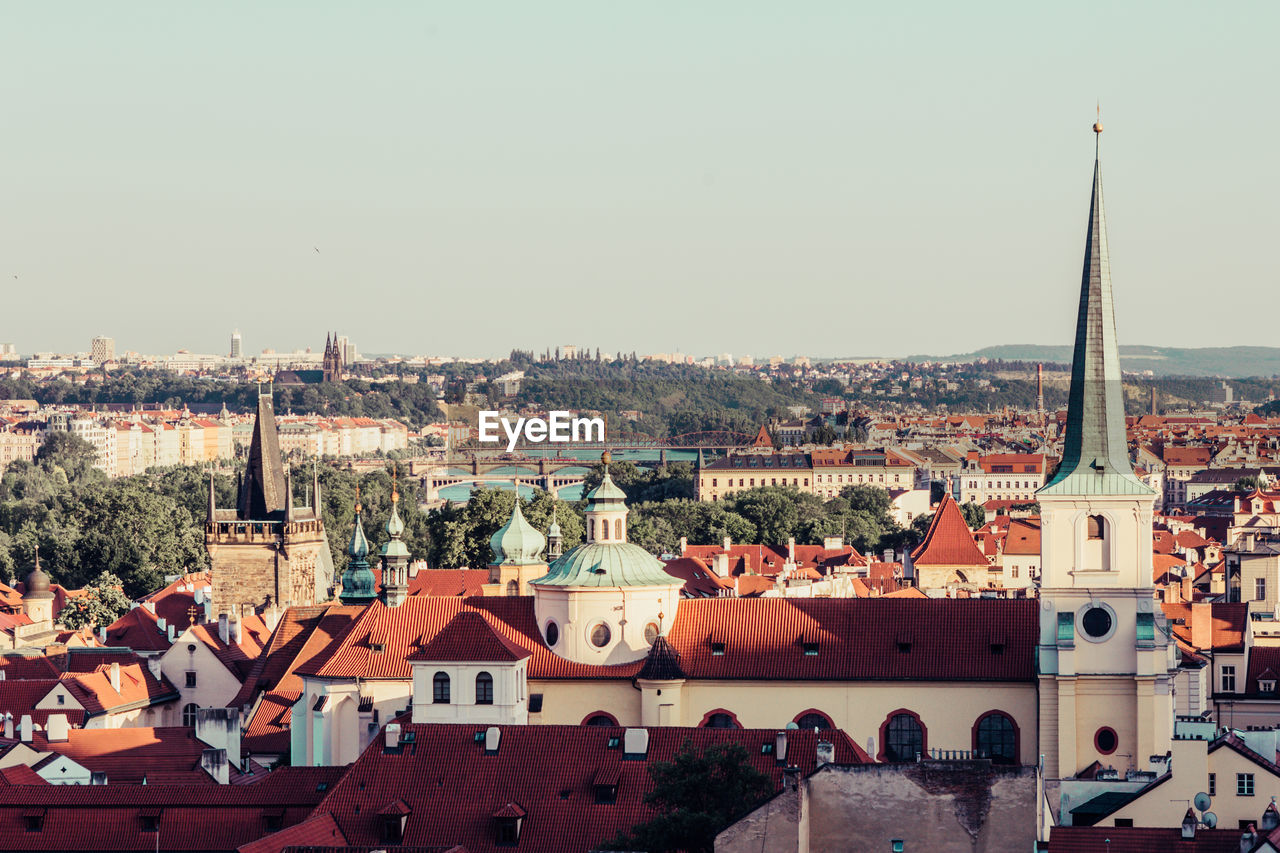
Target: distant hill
(1227,362)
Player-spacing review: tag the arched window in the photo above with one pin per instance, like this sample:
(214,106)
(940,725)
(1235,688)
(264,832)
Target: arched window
(513,587)
(189,714)
(440,688)
(591,530)
(1097,526)
(902,737)
(484,689)
(720,719)
(617,529)
(995,736)
(604,529)
(810,720)
(600,718)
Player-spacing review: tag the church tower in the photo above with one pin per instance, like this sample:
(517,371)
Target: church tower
(1105,660)
(266,552)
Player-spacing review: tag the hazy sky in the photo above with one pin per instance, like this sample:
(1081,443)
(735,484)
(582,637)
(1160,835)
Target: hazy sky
(843,178)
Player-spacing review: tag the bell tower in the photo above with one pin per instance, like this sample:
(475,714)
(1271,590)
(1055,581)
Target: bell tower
(1105,660)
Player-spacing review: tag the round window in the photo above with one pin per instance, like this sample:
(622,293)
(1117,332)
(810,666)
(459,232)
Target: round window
(553,634)
(651,633)
(1096,622)
(600,635)
(1106,740)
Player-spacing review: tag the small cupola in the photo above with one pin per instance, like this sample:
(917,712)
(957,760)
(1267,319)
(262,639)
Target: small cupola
(606,510)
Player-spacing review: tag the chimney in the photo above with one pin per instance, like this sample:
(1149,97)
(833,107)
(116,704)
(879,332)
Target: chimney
(635,742)
(162,624)
(791,549)
(826,752)
(214,762)
(153,666)
(492,737)
(173,634)
(720,564)
(1247,839)
(102,635)
(55,728)
(199,596)
(790,778)
(219,728)
(1202,624)
(728,543)
(684,544)
(115,676)
(98,777)
(236,628)
(224,630)
(24,728)
(392,736)
(1270,817)
(8,725)
(151,607)
(780,747)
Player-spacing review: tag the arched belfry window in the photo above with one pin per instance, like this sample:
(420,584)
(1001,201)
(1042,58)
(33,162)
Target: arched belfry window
(1097,527)
(617,529)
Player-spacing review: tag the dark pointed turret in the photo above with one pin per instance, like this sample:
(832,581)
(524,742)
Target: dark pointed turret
(263,495)
(358,580)
(1095,451)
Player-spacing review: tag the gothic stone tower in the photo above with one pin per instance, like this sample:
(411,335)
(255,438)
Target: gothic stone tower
(267,552)
(1105,659)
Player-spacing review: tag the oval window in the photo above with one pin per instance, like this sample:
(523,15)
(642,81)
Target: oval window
(1106,740)
(600,635)
(651,633)
(1096,622)
(553,634)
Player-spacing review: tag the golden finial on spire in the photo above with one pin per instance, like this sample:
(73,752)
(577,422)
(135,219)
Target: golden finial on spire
(358,507)
(606,458)
(1097,125)
(395,491)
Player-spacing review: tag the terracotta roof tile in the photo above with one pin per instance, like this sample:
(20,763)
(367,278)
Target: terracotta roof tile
(469,637)
(948,541)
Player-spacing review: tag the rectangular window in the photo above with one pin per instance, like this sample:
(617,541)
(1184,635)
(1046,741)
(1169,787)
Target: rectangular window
(535,703)
(62,700)
(1228,679)
(1259,589)
(1244,784)
(1124,821)
(1213,784)
(191,678)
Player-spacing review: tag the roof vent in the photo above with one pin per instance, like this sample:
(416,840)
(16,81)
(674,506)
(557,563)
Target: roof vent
(780,747)
(635,744)
(825,752)
(492,736)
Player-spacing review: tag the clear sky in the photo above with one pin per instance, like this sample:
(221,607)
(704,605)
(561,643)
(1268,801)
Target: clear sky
(824,178)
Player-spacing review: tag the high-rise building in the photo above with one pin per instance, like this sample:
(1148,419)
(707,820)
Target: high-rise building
(237,347)
(346,349)
(102,349)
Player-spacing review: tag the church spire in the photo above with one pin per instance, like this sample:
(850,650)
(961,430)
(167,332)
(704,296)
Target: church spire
(265,484)
(1095,452)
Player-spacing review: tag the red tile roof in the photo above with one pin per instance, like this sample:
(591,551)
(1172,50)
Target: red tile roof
(192,818)
(238,658)
(448,582)
(699,580)
(469,637)
(1226,624)
(948,542)
(166,756)
(139,629)
(548,772)
(1140,839)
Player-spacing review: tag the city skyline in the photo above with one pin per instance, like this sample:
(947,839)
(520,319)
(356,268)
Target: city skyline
(671,174)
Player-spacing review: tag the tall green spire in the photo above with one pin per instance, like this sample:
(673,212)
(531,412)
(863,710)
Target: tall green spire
(358,580)
(1095,451)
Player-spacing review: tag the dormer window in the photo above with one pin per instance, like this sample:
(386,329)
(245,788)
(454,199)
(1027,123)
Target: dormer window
(507,822)
(33,820)
(1267,685)
(150,819)
(717,648)
(605,785)
(904,642)
(811,649)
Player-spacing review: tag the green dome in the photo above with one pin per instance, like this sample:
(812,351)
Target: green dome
(517,543)
(358,580)
(607,564)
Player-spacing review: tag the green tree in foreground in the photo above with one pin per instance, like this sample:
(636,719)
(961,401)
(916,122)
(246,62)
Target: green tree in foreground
(104,602)
(696,795)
